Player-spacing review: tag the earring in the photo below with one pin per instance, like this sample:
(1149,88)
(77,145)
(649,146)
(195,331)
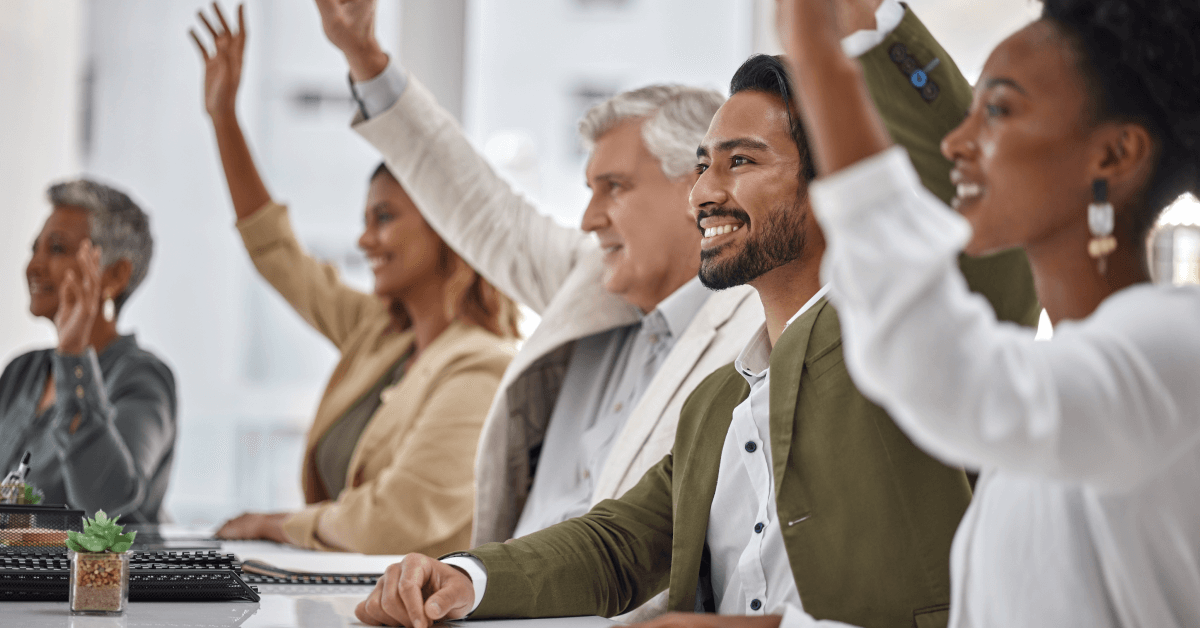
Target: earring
(1100,223)
(110,309)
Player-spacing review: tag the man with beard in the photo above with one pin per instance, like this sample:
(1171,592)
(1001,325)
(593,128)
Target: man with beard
(788,495)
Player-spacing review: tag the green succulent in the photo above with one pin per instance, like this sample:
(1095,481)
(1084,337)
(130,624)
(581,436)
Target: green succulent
(31,497)
(100,535)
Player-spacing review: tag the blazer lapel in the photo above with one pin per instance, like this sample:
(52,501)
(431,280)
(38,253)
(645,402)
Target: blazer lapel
(697,465)
(675,370)
(787,364)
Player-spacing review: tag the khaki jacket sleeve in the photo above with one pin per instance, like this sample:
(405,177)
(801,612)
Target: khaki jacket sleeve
(311,287)
(426,494)
(524,253)
(609,561)
(919,124)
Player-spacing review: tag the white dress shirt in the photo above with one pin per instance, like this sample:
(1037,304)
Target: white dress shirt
(750,572)
(606,377)
(1088,509)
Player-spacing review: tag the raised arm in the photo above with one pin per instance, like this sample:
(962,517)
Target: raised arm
(524,253)
(311,287)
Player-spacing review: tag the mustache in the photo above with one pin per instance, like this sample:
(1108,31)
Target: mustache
(730,212)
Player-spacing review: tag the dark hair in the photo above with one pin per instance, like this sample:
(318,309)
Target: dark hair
(469,297)
(1140,60)
(767,74)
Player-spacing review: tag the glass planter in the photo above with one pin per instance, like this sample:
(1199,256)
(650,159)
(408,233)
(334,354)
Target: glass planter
(99,583)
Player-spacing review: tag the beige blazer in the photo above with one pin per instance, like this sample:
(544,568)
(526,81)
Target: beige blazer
(410,487)
(556,271)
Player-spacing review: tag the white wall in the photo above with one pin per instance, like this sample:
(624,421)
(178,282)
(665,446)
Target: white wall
(41,52)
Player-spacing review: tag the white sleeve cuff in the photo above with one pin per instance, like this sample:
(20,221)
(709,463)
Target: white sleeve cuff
(475,571)
(877,180)
(378,94)
(887,18)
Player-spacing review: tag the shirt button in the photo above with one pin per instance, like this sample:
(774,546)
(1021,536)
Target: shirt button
(79,391)
(751,446)
(755,604)
(79,372)
(617,408)
(758,528)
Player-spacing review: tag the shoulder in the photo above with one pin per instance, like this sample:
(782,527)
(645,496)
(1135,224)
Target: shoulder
(21,365)
(464,346)
(136,363)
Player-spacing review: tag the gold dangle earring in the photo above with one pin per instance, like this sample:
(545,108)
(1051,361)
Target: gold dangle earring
(1100,222)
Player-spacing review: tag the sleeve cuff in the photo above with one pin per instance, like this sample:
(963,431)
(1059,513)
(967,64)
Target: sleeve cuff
(265,227)
(301,528)
(887,17)
(475,571)
(79,383)
(863,186)
(379,94)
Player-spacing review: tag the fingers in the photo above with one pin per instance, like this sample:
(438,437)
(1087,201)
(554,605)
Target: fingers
(210,28)
(409,593)
(242,21)
(196,38)
(380,608)
(221,17)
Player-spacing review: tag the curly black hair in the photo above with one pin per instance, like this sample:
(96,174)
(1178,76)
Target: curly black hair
(1141,62)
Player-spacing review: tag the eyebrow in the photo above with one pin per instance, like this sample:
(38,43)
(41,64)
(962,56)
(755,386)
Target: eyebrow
(607,177)
(997,82)
(728,145)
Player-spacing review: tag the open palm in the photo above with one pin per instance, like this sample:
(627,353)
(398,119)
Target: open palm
(223,65)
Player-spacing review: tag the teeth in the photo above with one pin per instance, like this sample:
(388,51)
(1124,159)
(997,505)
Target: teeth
(969,190)
(713,232)
(376,262)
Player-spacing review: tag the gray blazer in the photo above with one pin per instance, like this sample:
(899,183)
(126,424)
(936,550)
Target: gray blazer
(108,441)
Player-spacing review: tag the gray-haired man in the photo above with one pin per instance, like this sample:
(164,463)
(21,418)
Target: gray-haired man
(627,331)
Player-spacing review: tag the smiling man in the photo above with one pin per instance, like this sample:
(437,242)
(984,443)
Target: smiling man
(787,495)
(592,399)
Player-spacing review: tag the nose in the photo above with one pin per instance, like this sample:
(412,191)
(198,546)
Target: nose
(367,239)
(962,142)
(708,191)
(595,217)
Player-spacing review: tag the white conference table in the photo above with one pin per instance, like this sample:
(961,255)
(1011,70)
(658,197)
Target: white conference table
(280,606)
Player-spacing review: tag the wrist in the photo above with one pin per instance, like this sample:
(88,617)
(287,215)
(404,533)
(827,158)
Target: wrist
(367,61)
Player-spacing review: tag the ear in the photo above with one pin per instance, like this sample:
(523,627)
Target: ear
(1126,160)
(114,278)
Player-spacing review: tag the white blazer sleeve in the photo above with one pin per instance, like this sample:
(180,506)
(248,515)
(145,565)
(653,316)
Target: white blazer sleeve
(1110,401)
(522,252)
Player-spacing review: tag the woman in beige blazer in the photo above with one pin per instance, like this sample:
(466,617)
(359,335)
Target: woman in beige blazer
(388,468)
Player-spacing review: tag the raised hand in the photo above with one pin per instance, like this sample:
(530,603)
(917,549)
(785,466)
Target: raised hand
(417,592)
(79,301)
(350,25)
(223,66)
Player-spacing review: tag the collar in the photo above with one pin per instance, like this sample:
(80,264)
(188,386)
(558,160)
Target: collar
(755,359)
(678,309)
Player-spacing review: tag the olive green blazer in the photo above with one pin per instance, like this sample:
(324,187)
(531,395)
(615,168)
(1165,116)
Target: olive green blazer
(867,518)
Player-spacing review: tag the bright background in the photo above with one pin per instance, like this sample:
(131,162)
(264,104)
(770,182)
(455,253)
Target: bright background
(111,89)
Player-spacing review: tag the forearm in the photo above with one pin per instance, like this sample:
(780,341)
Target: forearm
(839,116)
(102,467)
(246,187)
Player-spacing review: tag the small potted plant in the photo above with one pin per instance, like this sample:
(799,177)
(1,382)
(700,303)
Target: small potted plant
(99,560)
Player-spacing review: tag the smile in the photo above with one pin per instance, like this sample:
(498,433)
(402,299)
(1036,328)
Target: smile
(713,232)
(376,261)
(964,191)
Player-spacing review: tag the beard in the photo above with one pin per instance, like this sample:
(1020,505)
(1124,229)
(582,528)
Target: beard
(780,240)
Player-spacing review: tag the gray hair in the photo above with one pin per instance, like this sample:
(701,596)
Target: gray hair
(116,224)
(676,119)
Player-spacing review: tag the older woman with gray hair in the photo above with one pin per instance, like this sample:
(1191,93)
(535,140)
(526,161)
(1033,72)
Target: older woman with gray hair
(97,412)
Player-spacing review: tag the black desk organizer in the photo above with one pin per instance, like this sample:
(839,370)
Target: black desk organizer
(37,526)
(41,575)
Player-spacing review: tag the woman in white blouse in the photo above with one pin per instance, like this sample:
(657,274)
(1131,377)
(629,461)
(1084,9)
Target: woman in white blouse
(1087,512)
